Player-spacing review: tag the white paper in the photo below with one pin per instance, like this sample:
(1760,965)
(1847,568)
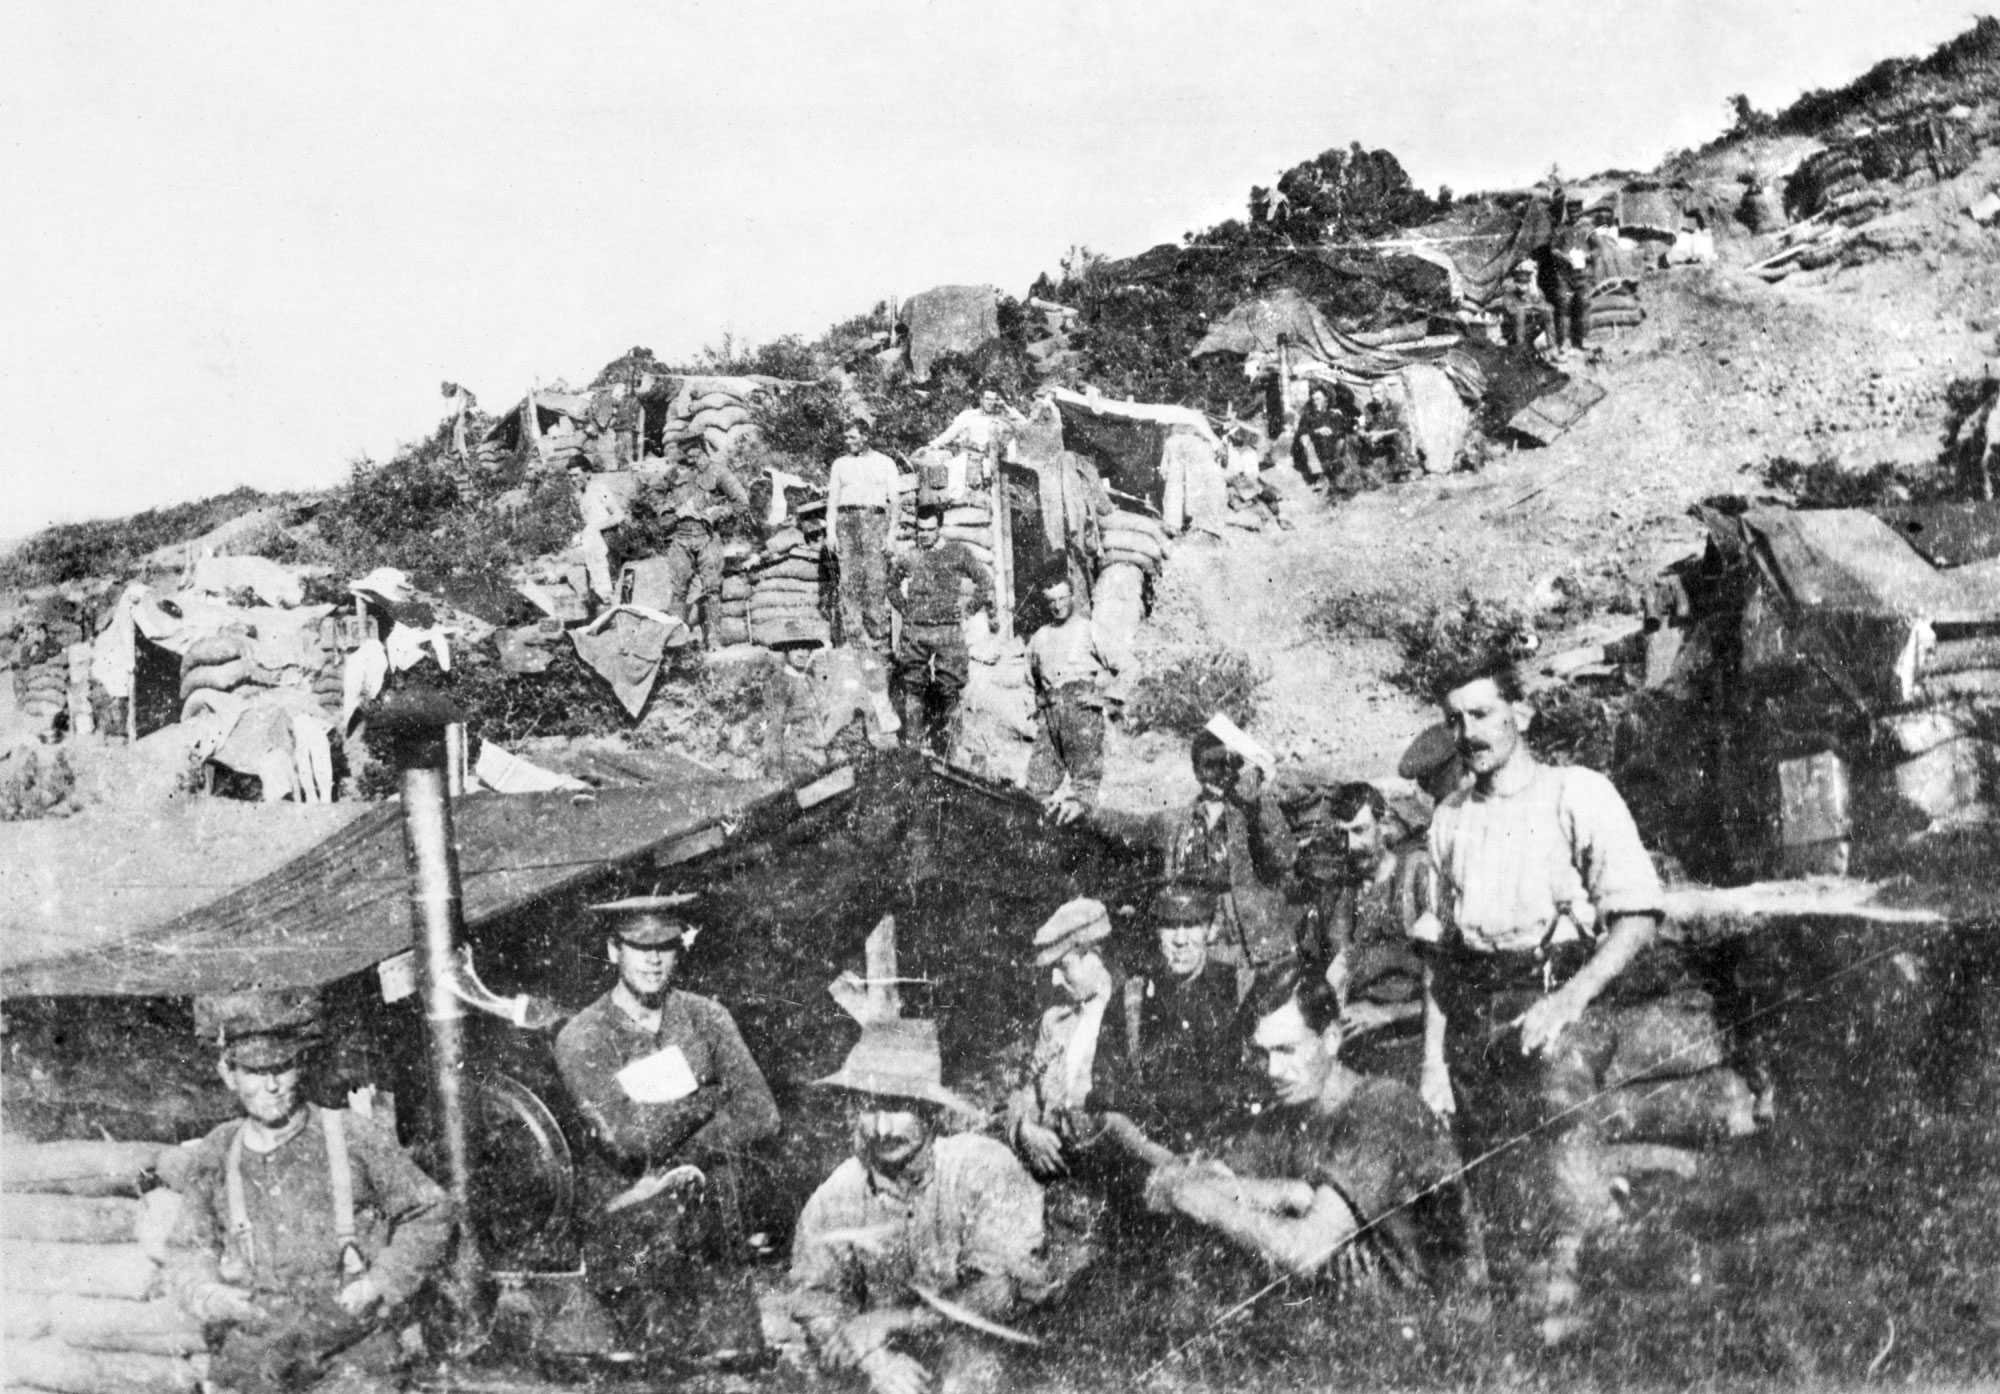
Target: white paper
(659,1078)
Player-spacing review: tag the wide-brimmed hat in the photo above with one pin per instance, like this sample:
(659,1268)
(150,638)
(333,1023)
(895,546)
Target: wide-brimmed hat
(263,1030)
(1079,923)
(644,921)
(386,583)
(1429,751)
(1183,905)
(898,1059)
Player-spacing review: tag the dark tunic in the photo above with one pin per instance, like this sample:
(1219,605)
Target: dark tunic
(924,583)
(1187,1073)
(1392,1161)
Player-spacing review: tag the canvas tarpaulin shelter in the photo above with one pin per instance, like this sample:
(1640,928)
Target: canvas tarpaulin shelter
(228,904)
(1128,441)
(949,319)
(1287,317)
(1482,245)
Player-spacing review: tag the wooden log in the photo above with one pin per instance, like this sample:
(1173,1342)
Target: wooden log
(158,1327)
(69,1219)
(87,1270)
(63,1369)
(76,1168)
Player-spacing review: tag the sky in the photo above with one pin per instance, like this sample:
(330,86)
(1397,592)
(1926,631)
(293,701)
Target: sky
(247,242)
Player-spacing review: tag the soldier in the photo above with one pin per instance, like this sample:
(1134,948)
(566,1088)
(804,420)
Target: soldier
(685,508)
(1349,1177)
(913,1224)
(862,496)
(304,1232)
(1546,898)
(931,660)
(1525,312)
(673,1100)
(1071,661)
(981,434)
(822,706)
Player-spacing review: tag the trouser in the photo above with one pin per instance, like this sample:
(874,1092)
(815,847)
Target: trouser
(1069,737)
(931,668)
(694,564)
(1520,323)
(1571,298)
(1323,458)
(863,534)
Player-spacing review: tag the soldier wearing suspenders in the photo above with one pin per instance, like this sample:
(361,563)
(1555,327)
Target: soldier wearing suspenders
(303,1230)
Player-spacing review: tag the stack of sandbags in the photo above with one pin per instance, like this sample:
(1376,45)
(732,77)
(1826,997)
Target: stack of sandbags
(41,690)
(733,624)
(971,522)
(785,585)
(83,1311)
(1134,539)
(221,662)
(712,410)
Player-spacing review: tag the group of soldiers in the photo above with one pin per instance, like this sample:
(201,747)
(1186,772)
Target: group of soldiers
(1219,1084)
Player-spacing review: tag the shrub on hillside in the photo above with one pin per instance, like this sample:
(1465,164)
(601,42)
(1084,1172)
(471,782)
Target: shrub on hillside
(1182,696)
(1827,483)
(113,546)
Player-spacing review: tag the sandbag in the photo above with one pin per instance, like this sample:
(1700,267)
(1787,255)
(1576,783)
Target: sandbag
(1700,1108)
(1615,319)
(70,1219)
(1119,557)
(711,401)
(78,1168)
(784,586)
(1129,521)
(733,631)
(791,569)
(1126,540)
(88,1270)
(974,537)
(719,418)
(774,613)
(964,516)
(63,1369)
(214,648)
(157,1327)
(217,677)
(735,588)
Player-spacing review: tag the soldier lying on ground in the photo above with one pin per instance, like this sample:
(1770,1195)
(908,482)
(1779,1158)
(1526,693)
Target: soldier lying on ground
(913,1222)
(304,1232)
(1349,1177)
(673,1099)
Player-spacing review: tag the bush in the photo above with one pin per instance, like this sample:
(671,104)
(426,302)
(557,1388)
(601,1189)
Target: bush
(1359,614)
(111,547)
(1184,695)
(1826,483)
(1448,635)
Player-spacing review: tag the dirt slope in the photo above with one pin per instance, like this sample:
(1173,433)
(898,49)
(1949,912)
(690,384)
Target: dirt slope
(1725,373)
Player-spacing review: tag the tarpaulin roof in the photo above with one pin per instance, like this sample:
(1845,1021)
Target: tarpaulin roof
(1127,439)
(1948,534)
(237,908)
(1285,316)
(1482,243)
(1846,559)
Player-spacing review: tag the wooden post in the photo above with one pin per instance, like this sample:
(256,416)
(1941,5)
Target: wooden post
(1002,528)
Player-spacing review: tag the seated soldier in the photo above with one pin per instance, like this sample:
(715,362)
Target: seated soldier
(672,1099)
(303,1231)
(910,1225)
(1367,889)
(1524,311)
(1182,1070)
(1349,1178)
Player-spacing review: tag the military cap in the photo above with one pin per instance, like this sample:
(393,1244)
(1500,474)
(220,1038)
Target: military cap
(897,1059)
(262,1030)
(1079,923)
(644,921)
(1183,905)
(795,632)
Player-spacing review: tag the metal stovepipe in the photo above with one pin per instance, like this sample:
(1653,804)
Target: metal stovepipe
(437,926)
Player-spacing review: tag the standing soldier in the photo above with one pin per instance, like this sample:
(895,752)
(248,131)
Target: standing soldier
(1546,898)
(303,1231)
(689,503)
(1070,661)
(931,661)
(672,1099)
(1569,258)
(980,434)
(861,503)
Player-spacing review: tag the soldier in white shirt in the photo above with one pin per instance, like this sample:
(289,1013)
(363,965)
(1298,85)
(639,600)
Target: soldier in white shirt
(861,503)
(1070,661)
